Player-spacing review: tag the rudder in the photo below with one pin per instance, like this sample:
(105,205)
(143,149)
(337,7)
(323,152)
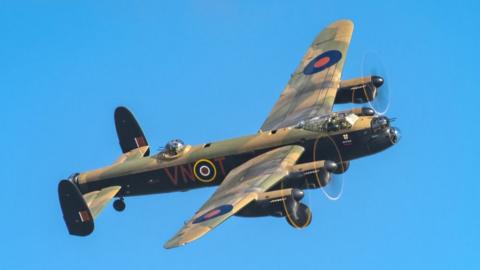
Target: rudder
(77,215)
(130,135)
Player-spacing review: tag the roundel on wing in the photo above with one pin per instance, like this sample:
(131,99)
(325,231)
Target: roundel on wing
(221,210)
(322,62)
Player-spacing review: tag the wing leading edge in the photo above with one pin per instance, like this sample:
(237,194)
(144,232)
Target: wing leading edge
(313,86)
(241,186)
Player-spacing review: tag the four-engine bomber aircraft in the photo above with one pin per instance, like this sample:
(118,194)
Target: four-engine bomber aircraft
(301,145)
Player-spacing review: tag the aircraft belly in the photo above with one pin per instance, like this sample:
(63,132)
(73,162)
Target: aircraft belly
(212,171)
(202,173)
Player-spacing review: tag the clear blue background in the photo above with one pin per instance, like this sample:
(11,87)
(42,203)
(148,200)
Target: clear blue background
(211,70)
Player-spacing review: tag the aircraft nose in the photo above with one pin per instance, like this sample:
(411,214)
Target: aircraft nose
(383,139)
(394,134)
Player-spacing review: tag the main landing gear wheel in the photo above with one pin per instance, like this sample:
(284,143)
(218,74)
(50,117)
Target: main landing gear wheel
(297,214)
(119,205)
(301,218)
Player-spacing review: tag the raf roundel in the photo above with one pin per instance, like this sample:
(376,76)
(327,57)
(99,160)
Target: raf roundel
(216,212)
(322,62)
(204,170)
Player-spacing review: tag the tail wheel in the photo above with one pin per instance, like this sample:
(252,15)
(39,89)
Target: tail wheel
(119,205)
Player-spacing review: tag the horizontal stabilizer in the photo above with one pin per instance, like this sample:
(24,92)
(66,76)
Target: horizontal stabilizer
(97,200)
(133,154)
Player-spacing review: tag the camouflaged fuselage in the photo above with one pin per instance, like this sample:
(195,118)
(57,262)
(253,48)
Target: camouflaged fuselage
(299,146)
(154,174)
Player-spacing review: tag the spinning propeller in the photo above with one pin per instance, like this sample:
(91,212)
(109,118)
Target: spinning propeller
(329,175)
(332,183)
(373,66)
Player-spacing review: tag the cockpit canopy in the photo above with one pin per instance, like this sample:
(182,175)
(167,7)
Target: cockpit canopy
(174,147)
(328,123)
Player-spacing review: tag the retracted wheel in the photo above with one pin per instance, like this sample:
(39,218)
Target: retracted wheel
(119,205)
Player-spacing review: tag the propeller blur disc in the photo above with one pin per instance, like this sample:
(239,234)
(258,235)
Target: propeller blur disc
(372,65)
(333,190)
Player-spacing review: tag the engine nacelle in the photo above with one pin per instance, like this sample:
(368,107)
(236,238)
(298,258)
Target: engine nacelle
(271,203)
(280,203)
(360,90)
(315,174)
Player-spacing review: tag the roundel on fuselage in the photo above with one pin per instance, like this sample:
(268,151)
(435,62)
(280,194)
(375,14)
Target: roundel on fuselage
(322,62)
(204,170)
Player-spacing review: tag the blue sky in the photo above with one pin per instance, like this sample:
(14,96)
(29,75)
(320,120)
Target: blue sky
(211,70)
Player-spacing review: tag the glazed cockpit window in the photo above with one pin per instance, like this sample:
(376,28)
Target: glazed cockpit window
(340,121)
(331,122)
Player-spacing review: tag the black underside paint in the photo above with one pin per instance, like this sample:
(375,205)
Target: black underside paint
(76,213)
(181,178)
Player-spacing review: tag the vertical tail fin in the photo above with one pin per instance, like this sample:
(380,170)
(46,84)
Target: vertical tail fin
(79,211)
(75,210)
(130,135)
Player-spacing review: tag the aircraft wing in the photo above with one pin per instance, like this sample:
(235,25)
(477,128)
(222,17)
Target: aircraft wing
(241,186)
(313,86)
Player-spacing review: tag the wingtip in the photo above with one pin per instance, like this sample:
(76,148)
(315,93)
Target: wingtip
(342,23)
(167,246)
(170,245)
